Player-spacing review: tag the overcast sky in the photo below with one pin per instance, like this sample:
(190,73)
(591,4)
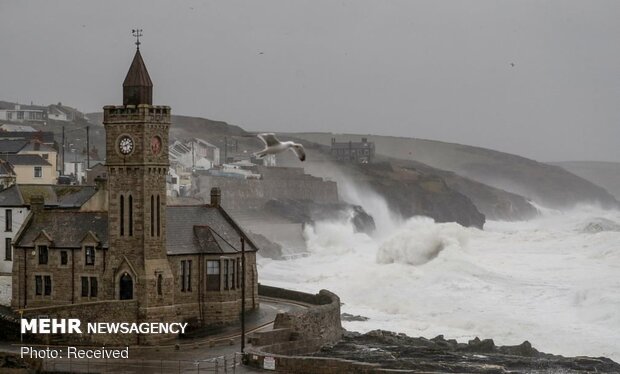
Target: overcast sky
(536,78)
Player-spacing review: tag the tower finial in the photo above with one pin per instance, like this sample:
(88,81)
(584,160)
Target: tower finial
(137,33)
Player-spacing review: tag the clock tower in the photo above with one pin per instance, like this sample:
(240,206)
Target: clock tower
(137,162)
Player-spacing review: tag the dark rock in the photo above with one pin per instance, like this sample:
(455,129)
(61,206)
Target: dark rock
(350,317)
(399,351)
(307,211)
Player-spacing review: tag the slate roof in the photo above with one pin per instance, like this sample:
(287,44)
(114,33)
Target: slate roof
(137,74)
(11,197)
(61,196)
(20,159)
(31,146)
(203,229)
(67,229)
(12,145)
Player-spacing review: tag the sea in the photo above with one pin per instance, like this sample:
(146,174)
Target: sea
(553,280)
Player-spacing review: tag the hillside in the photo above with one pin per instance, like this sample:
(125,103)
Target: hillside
(604,174)
(547,184)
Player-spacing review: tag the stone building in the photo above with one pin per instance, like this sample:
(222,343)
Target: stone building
(360,152)
(137,260)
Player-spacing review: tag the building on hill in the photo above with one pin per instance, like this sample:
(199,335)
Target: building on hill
(359,152)
(142,261)
(15,208)
(43,137)
(20,113)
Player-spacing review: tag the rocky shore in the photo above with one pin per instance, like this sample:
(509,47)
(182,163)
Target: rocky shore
(399,351)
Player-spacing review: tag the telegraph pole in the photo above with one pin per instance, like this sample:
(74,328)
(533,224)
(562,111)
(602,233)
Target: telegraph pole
(87,148)
(62,168)
(242,295)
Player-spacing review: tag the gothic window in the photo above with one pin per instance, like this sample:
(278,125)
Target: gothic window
(160,280)
(186,275)
(43,252)
(93,287)
(232,274)
(158,216)
(130,215)
(122,216)
(125,291)
(85,287)
(90,255)
(63,258)
(213,275)
(152,215)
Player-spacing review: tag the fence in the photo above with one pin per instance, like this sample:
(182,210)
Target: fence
(220,365)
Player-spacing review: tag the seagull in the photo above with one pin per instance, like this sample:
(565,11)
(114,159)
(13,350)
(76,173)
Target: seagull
(274,146)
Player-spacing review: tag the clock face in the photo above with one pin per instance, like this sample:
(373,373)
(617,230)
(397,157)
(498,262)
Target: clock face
(155,145)
(125,145)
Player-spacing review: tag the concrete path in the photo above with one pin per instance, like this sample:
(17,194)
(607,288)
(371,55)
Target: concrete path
(207,351)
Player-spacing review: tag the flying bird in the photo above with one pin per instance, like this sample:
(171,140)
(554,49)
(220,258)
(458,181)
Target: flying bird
(274,146)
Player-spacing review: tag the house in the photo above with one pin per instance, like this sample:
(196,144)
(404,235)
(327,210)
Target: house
(15,209)
(19,113)
(13,128)
(31,168)
(133,258)
(359,152)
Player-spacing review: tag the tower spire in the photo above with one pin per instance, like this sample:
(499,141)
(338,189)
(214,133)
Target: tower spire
(137,87)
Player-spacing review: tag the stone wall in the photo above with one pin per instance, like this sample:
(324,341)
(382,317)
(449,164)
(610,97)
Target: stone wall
(277,183)
(304,332)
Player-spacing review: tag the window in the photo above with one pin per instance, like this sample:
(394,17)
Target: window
(122,211)
(239,273)
(213,275)
(158,216)
(85,287)
(47,283)
(9,115)
(152,215)
(8,222)
(20,115)
(186,275)
(38,285)
(93,287)
(226,274)
(90,255)
(38,172)
(8,251)
(130,215)
(42,255)
(64,258)
(159,282)
(89,287)
(232,274)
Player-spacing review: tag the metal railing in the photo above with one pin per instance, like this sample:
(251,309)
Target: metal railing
(219,365)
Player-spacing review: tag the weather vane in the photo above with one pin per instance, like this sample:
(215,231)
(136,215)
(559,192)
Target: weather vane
(137,33)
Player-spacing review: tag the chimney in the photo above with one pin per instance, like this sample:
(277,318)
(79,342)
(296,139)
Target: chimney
(37,202)
(216,197)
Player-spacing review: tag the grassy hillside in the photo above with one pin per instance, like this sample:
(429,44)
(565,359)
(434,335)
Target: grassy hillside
(604,174)
(547,184)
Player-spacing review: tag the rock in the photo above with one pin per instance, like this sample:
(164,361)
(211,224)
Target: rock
(350,317)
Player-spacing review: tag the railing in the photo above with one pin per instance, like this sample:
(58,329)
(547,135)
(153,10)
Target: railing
(221,364)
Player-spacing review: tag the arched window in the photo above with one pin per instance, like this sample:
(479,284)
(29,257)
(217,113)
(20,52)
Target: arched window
(158,216)
(152,215)
(160,280)
(130,215)
(122,211)
(125,285)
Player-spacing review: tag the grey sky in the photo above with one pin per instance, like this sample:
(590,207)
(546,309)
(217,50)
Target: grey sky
(430,69)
